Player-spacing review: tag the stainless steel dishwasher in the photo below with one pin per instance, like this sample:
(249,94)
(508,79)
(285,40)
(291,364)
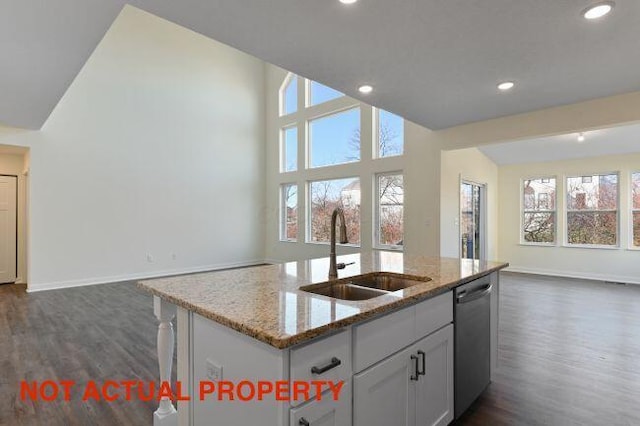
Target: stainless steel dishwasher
(472,342)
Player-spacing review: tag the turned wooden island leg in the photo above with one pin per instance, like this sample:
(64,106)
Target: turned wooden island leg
(166,414)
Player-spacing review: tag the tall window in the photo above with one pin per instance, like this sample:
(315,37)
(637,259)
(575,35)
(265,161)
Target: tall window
(390,206)
(635,205)
(289,149)
(327,195)
(327,156)
(319,93)
(289,95)
(390,134)
(592,210)
(335,139)
(539,210)
(289,212)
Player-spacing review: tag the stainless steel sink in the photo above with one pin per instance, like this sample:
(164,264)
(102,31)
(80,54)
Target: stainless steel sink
(386,281)
(363,287)
(344,291)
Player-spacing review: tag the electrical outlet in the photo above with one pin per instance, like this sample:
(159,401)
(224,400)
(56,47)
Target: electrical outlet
(214,371)
(174,256)
(149,258)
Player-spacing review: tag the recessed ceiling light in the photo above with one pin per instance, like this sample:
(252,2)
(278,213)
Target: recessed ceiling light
(598,10)
(365,89)
(581,137)
(506,85)
(348,1)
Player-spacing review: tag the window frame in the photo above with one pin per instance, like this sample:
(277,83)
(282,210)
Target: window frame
(376,212)
(282,220)
(283,148)
(376,134)
(632,209)
(308,135)
(524,211)
(567,211)
(282,95)
(308,223)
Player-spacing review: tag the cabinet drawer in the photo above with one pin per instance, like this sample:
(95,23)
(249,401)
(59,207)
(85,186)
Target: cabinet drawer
(377,339)
(326,412)
(433,314)
(332,353)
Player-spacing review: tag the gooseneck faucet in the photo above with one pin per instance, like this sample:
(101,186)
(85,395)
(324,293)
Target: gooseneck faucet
(333,269)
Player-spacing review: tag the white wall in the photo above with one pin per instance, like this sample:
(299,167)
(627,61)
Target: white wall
(420,165)
(620,264)
(16,164)
(156,148)
(472,165)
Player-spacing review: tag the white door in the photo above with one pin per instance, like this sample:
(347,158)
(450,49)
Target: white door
(8,205)
(325,412)
(384,395)
(434,390)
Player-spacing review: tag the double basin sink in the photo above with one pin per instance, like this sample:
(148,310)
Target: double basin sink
(364,287)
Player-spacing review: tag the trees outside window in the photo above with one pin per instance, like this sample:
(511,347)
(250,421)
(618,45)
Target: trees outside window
(289,212)
(390,203)
(539,210)
(325,196)
(592,210)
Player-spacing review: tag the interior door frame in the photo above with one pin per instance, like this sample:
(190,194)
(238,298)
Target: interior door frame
(483,215)
(17,222)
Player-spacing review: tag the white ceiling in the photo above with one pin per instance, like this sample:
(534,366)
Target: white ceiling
(434,62)
(615,140)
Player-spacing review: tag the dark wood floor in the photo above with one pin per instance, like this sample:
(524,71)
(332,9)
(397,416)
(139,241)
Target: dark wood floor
(569,353)
(90,333)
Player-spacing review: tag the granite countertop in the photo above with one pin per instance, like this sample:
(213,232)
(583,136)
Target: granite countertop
(265,302)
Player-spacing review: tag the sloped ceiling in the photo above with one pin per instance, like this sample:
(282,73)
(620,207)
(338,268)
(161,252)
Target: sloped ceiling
(434,62)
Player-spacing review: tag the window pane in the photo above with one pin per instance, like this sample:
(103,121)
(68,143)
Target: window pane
(635,185)
(289,150)
(319,93)
(539,227)
(289,212)
(390,210)
(325,196)
(390,134)
(592,192)
(636,229)
(592,228)
(289,97)
(539,194)
(335,139)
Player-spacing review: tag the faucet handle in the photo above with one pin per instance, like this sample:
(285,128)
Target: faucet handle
(343,265)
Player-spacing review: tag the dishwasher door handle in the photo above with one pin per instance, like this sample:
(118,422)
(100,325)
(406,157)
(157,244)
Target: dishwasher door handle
(465,297)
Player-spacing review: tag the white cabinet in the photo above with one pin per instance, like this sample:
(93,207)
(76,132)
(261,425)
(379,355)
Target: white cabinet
(434,389)
(325,412)
(384,394)
(411,388)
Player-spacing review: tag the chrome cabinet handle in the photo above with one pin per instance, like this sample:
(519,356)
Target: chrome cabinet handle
(423,357)
(303,422)
(415,368)
(333,364)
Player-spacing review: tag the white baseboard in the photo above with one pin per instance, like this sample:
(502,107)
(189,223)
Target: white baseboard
(573,274)
(32,288)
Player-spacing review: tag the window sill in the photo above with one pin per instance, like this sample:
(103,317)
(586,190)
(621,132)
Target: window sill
(322,243)
(288,241)
(591,246)
(393,248)
(538,244)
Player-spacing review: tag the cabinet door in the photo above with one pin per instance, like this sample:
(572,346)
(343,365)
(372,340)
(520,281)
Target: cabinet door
(383,395)
(325,412)
(434,390)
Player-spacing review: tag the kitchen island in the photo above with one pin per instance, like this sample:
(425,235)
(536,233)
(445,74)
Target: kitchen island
(256,324)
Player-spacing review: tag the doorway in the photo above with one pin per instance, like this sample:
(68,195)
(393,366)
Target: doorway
(8,228)
(472,220)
